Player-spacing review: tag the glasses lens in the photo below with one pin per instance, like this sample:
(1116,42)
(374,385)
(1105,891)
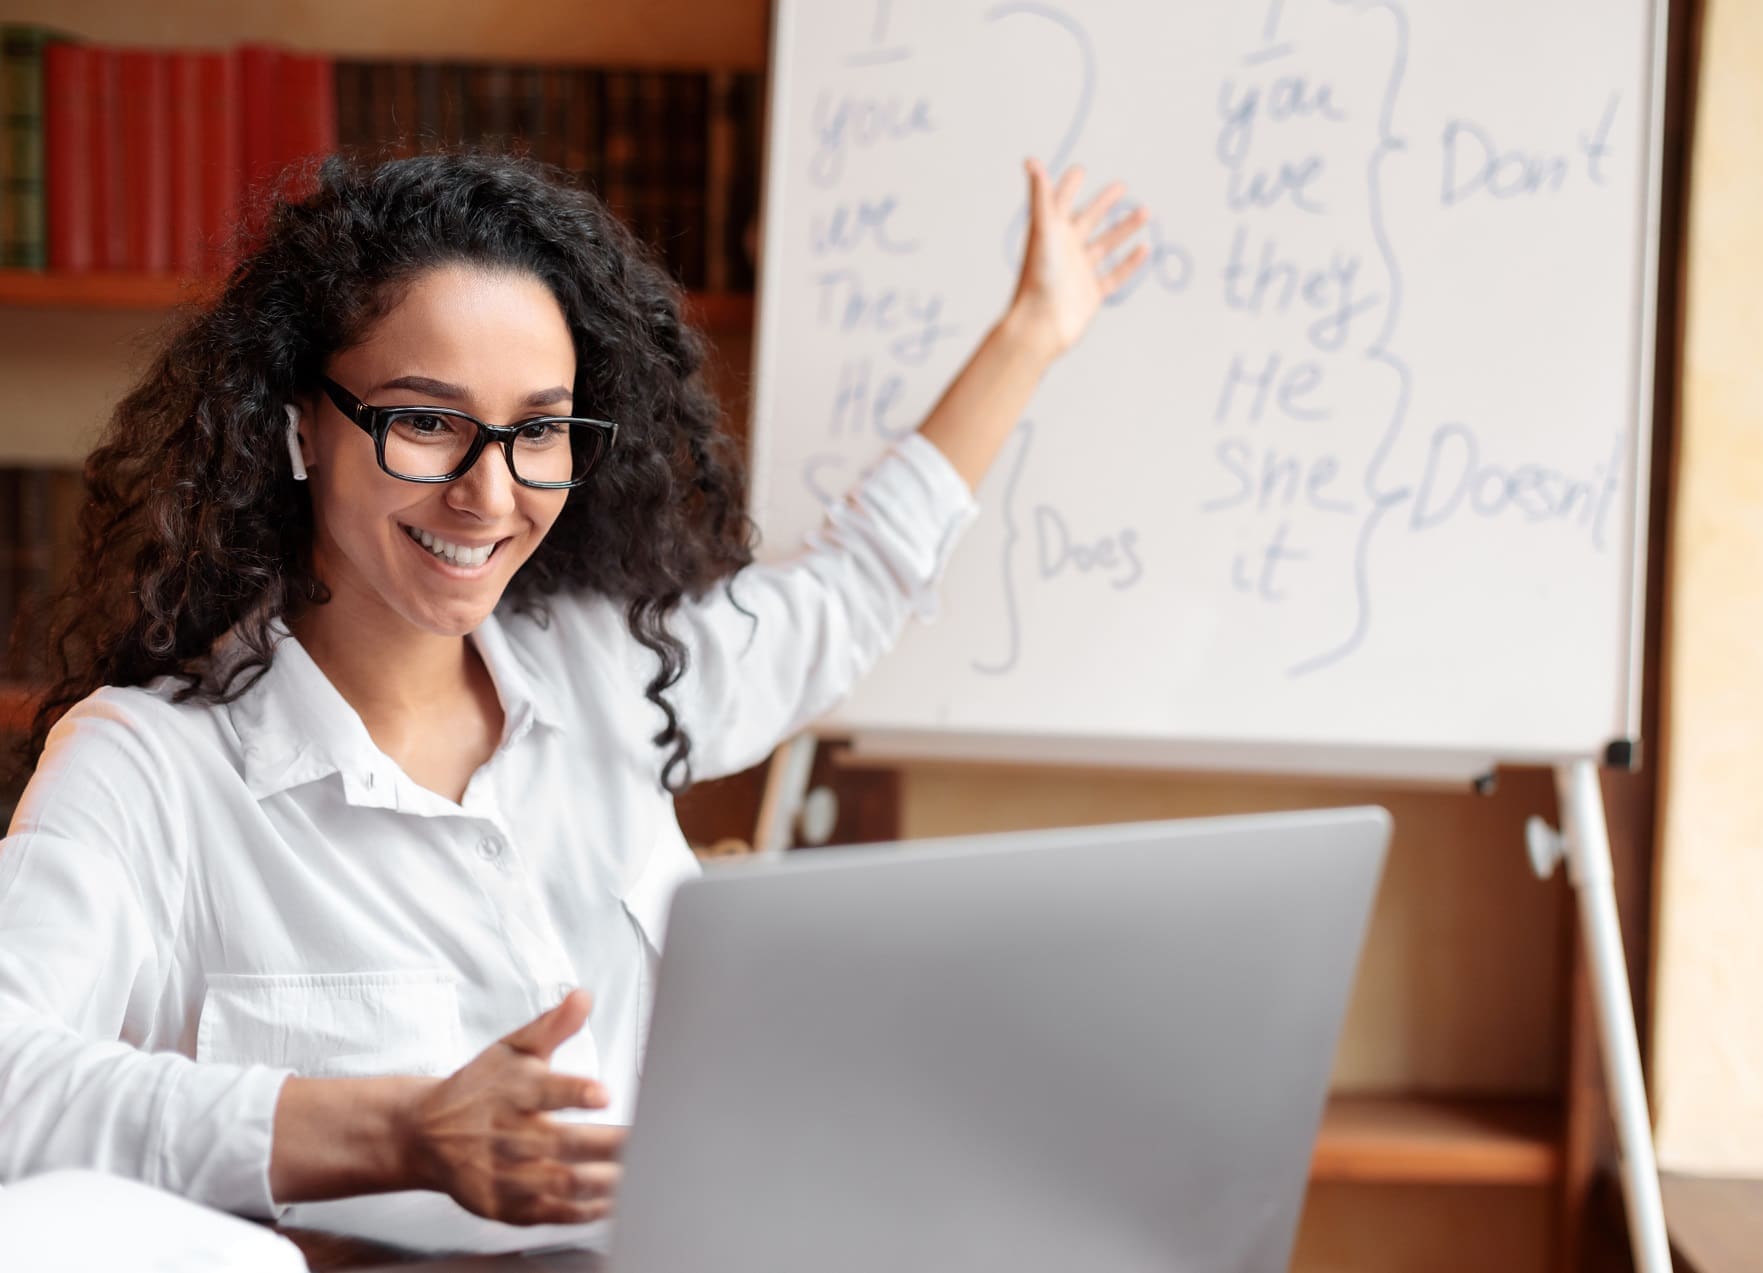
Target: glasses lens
(427,443)
(557,450)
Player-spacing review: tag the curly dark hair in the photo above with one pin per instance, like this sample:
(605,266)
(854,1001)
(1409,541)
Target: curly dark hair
(194,526)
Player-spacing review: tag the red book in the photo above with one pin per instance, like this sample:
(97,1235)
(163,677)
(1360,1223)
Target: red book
(221,147)
(184,127)
(306,125)
(259,90)
(109,225)
(67,131)
(144,82)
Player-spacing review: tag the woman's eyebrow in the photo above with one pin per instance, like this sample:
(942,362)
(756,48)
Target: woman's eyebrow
(443,391)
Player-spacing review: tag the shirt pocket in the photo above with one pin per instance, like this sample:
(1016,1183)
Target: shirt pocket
(334,1025)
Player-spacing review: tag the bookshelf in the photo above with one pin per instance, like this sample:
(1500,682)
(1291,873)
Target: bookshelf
(33,289)
(1414,1139)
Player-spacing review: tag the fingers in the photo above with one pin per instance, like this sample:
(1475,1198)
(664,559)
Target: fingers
(587,1182)
(1116,278)
(1115,236)
(589,1142)
(559,1193)
(558,1211)
(541,1036)
(1096,210)
(567,1091)
(537,1184)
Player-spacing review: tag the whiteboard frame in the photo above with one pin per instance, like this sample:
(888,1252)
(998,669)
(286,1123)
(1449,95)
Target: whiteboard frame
(1424,765)
(1646,370)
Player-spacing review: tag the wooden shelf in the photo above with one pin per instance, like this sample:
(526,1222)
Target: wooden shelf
(37,290)
(1438,1140)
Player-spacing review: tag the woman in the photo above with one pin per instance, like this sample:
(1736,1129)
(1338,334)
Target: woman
(415,579)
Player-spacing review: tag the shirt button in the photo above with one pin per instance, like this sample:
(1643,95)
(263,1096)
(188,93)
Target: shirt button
(367,780)
(561,990)
(490,848)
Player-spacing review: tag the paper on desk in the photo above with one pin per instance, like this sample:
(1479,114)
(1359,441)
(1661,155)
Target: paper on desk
(433,1222)
(63,1221)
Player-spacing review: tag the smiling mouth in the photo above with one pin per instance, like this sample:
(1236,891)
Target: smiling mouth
(463,555)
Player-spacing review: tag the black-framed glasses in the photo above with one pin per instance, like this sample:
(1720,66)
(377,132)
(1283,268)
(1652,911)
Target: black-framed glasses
(440,444)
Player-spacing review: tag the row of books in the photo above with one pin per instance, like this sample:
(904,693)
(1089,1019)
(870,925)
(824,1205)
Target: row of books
(39,508)
(675,154)
(142,159)
(149,160)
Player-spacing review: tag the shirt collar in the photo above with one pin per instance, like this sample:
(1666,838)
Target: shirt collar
(294,727)
(526,699)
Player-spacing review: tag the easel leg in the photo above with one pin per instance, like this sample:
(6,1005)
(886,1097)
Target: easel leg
(786,784)
(1587,846)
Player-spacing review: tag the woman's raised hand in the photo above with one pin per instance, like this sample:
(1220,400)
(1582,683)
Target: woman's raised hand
(485,1135)
(1070,263)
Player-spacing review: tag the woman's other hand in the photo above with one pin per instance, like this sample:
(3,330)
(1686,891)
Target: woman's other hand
(485,1134)
(1071,262)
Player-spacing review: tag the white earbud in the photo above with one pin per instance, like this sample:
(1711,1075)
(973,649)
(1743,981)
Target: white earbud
(294,441)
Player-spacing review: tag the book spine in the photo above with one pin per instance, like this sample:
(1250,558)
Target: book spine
(741,244)
(222,151)
(406,135)
(618,142)
(67,159)
(553,97)
(431,113)
(144,123)
(528,128)
(259,85)
(719,161)
(580,125)
(306,119)
(648,163)
(349,85)
(461,127)
(184,165)
(109,208)
(23,147)
(684,163)
(493,106)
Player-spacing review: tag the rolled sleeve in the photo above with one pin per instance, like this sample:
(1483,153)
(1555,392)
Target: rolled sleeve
(784,642)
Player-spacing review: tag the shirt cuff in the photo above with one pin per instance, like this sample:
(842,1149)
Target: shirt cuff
(224,1120)
(924,502)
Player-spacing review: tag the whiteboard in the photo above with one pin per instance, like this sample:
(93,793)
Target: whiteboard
(1352,477)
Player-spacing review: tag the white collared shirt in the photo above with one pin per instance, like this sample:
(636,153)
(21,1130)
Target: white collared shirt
(197,900)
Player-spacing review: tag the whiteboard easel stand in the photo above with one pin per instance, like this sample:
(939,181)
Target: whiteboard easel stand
(786,789)
(1584,843)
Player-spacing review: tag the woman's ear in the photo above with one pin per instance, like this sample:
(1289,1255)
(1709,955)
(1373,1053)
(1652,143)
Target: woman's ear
(295,459)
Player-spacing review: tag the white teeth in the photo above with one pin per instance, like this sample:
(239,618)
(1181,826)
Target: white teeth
(458,554)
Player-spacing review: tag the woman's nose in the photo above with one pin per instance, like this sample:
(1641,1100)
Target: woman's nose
(487,489)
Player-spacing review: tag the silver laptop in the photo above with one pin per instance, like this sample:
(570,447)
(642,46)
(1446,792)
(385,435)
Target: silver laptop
(1095,1049)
